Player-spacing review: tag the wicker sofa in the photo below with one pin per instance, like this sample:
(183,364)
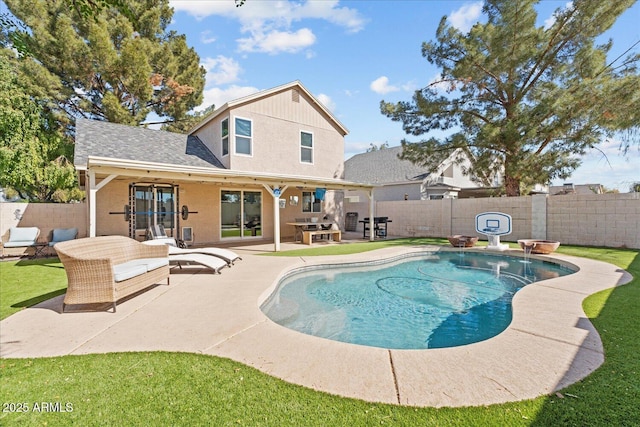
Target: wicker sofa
(107,268)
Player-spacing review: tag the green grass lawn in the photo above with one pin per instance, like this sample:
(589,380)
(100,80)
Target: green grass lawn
(235,232)
(28,282)
(161,388)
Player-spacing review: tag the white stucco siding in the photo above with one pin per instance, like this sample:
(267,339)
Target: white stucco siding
(211,136)
(451,174)
(276,122)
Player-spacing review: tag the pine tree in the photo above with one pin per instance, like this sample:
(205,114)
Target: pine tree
(110,65)
(524,101)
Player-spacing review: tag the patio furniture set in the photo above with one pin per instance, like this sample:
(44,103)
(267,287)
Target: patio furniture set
(106,269)
(308,228)
(27,238)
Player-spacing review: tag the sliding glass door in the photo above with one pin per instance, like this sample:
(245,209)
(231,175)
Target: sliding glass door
(241,213)
(152,205)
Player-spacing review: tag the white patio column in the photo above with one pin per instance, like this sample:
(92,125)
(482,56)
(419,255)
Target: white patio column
(371,213)
(93,191)
(275,193)
(92,203)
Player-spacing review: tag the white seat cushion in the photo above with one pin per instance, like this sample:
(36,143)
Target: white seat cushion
(62,235)
(128,270)
(161,241)
(22,234)
(19,243)
(153,263)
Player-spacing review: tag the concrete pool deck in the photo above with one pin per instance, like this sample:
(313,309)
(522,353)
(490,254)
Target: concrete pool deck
(549,344)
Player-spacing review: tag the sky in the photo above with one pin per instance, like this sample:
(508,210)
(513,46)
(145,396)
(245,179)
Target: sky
(353,54)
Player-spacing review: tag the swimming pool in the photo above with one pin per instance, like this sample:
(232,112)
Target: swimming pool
(416,301)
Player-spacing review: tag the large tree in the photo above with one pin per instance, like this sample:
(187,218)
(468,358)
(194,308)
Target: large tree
(110,65)
(34,150)
(522,101)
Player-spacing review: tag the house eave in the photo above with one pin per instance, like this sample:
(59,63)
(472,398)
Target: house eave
(265,93)
(137,169)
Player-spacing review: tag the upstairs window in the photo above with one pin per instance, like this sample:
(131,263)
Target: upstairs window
(306,147)
(225,137)
(243,133)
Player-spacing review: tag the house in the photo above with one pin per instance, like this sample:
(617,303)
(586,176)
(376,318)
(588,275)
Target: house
(402,180)
(569,188)
(247,169)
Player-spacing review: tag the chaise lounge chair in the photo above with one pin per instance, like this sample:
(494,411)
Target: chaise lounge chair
(159,237)
(214,263)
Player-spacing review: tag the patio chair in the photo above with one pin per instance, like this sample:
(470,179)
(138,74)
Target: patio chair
(23,237)
(159,237)
(62,235)
(325,227)
(300,229)
(214,263)
(157,232)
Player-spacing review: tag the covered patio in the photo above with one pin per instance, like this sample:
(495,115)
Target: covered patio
(102,175)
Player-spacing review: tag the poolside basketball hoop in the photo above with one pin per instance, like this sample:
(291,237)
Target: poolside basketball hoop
(494,225)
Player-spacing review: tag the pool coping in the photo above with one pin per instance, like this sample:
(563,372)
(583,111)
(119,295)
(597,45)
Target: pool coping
(549,344)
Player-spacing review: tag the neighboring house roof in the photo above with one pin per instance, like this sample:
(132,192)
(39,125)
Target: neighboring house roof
(570,188)
(265,93)
(116,141)
(382,167)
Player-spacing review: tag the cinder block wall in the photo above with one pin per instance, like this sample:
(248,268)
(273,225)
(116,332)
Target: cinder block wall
(611,220)
(45,216)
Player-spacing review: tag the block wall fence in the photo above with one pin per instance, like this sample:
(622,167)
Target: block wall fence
(45,216)
(611,220)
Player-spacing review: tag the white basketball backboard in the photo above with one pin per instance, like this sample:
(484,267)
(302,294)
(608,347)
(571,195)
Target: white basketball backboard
(493,223)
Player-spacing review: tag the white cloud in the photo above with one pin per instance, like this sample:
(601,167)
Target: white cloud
(381,85)
(206,37)
(277,41)
(201,9)
(353,148)
(283,11)
(548,23)
(409,86)
(218,97)
(268,24)
(607,165)
(345,17)
(221,70)
(326,101)
(464,18)
(438,84)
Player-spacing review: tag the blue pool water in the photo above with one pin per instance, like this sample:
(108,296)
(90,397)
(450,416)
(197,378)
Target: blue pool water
(426,300)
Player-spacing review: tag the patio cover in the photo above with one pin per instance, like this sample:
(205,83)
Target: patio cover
(101,170)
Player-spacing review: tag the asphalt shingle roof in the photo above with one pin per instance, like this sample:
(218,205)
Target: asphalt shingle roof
(382,167)
(104,139)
